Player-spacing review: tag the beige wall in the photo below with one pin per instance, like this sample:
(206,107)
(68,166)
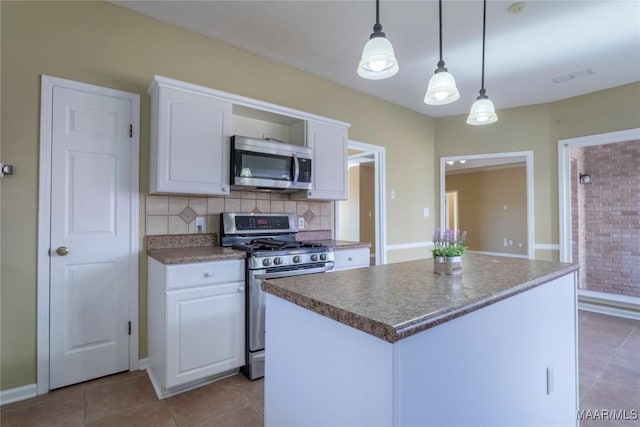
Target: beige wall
(103,44)
(482,198)
(538,128)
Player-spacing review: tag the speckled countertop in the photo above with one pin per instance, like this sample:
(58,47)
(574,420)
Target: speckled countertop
(187,248)
(195,254)
(395,301)
(342,244)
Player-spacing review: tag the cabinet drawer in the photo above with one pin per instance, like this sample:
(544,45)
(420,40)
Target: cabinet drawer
(201,273)
(351,258)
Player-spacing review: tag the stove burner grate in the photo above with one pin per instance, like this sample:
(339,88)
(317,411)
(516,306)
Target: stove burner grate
(263,244)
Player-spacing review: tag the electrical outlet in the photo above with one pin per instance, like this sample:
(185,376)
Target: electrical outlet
(505,242)
(200,227)
(426,212)
(301,223)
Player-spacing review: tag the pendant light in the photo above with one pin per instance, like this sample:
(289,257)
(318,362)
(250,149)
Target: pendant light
(378,59)
(482,111)
(442,86)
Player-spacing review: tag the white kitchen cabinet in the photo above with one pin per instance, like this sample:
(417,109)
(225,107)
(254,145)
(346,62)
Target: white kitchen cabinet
(191,127)
(346,259)
(196,318)
(190,134)
(330,145)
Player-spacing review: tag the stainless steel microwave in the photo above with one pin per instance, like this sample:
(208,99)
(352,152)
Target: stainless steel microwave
(264,164)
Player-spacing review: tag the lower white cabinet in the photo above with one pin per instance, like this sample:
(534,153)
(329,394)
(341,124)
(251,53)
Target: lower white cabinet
(346,259)
(196,319)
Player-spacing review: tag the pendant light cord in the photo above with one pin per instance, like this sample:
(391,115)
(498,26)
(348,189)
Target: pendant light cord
(440,63)
(377,28)
(484,26)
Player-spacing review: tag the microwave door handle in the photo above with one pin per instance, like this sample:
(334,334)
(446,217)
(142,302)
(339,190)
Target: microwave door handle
(296,169)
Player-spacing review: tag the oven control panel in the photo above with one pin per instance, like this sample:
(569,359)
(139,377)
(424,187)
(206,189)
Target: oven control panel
(248,223)
(259,222)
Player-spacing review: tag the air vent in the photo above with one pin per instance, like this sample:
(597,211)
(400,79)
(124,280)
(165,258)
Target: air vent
(575,75)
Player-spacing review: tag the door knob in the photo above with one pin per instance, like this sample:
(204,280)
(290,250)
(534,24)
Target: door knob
(62,250)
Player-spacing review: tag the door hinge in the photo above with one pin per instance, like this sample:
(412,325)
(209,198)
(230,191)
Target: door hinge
(130,131)
(129,327)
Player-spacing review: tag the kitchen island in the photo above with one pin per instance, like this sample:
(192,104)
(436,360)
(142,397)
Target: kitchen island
(397,345)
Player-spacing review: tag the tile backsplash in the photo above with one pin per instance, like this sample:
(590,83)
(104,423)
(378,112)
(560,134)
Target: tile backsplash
(177,214)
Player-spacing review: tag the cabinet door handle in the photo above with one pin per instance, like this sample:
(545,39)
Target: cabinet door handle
(208,274)
(350,259)
(241,289)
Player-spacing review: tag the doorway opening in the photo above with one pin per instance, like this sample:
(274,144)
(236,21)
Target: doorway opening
(451,210)
(362,217)
(598,214)
(499,220)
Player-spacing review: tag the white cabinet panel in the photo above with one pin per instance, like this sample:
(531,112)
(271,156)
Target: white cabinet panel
(196,318)
(205,328)
(329,169)
(189,142)
(346,259)
(205,273)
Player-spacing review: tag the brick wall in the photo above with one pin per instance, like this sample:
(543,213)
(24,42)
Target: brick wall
(612,218)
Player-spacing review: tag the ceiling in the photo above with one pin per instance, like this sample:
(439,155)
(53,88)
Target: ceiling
(525,51)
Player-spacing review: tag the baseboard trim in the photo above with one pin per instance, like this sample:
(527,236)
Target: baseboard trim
(546,247)
(162,393)
(143,364)
(415,245)
(17,394)
(502,254)
(612,305)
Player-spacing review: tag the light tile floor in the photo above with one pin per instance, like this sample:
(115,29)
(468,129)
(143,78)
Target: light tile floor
(609,350)
(609,363)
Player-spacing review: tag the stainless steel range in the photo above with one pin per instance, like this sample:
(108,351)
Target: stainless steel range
(272,252)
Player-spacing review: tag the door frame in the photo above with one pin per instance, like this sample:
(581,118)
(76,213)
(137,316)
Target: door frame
(44,220)
(564,179)
(380,178)
(528,155)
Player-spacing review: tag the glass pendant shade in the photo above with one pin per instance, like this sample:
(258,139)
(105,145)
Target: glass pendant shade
(482,112)
(378,60)
(442,89)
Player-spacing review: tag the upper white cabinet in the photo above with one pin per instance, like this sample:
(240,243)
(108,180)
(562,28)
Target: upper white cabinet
(191,127)
(190,134)
(329,168)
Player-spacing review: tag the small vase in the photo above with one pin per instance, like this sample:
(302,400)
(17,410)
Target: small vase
(447,265)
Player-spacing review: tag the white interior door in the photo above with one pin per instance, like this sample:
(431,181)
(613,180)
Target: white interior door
(91,219)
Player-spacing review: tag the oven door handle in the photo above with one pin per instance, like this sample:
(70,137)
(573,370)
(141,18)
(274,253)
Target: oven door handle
(280,274)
